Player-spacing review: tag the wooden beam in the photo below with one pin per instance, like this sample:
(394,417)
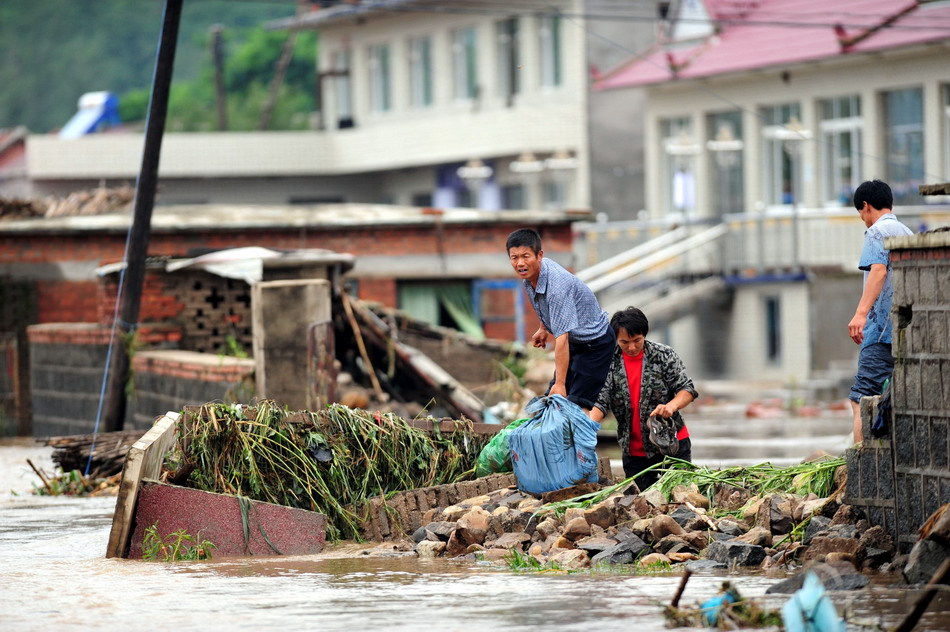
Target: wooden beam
(144,460)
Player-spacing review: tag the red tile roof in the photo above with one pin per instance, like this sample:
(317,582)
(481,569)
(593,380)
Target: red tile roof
(756,34)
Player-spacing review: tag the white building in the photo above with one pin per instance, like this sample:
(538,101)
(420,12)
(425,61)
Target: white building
(764,115)
(471,105)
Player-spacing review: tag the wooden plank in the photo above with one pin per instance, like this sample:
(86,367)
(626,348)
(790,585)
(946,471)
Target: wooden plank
(144,460)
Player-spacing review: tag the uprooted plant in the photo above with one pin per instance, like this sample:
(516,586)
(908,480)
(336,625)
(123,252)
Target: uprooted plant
(331,461)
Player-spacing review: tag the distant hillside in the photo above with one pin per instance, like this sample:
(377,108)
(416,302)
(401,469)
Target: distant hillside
(53,51)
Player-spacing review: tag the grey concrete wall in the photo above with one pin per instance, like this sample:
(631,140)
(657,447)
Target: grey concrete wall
(65,382)
(910,470)
(281,313)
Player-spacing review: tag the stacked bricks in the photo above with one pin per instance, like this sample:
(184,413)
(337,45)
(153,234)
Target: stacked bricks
(871,473)
(403,513)
(167,380)
(917,480)
(216,312)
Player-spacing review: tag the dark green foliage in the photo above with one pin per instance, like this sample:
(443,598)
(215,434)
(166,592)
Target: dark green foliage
(56,50)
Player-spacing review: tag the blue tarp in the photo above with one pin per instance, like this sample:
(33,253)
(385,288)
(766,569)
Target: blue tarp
(557,448)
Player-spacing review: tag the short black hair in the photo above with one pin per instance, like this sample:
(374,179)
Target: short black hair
(524,237)
(876,193)
(631,319)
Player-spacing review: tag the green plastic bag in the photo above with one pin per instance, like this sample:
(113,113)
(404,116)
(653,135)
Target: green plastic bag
(495,457)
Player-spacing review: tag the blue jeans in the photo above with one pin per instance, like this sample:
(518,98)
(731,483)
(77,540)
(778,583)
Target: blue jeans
(875,365)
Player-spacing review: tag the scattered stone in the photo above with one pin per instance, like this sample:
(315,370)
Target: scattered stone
(509,541)
(569,492)
(925,558)
(739,553)
(548,526)
(758,536)
(817,526)
(573,559)
(622,553)
(602,514)
(495,555)
(428,549)
(652,559)
(729,527)
(480,501)
(822,545)
(699,566)
(576,528)
(595,544)
(654,497)
(729,498)
(663,525)
(683,516)
(682,556)
(441,529)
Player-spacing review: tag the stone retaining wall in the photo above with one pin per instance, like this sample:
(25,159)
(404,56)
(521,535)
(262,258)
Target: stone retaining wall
(902,480)
(403,513)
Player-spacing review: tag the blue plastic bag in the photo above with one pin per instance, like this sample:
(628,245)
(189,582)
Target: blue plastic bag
(811,610)
(556,448)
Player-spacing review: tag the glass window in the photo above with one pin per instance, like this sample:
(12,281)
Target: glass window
(420,72)
(773,329)
(946,133)
(724,132)
(464,63)
(678,168)
(513,197)
(779,153)
(550,35)
(380,93)
(840,129)
(506,33)
(341,88)
(904,143)
(554,194)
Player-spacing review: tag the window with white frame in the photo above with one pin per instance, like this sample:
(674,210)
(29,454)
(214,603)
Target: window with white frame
(464,63)
(420,72)
(779,153)
(554,194)
(904,143)
(341,88)
(840,129)
(380,88)
(678,167)
(725,145)
(509,80)
(549,32)
(946,133)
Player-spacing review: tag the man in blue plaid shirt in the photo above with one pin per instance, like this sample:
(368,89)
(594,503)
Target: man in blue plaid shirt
(570,315)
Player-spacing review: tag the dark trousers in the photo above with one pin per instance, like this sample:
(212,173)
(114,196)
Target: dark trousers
(588,368)
(633,465)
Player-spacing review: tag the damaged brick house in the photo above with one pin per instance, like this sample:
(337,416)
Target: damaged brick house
(445,268)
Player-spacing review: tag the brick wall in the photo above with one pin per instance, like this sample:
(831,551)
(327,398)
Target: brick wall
(168,380)
(911,471)
(41,257)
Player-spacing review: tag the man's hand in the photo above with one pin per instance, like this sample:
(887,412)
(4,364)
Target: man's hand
(856,328)
(558,389)
(540,338)
(663,410)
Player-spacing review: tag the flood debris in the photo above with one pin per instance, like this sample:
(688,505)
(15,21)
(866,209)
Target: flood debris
(693,517)
(331,461)
(73,483)
(727,610)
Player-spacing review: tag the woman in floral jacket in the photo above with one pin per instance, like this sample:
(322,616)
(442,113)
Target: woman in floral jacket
(661,388)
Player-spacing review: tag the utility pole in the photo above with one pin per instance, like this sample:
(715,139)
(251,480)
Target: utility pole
(220,95)
(139,232)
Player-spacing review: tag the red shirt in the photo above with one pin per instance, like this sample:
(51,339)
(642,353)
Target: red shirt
(634,369)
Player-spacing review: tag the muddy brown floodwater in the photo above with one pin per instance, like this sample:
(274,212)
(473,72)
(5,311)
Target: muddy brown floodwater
(54,576)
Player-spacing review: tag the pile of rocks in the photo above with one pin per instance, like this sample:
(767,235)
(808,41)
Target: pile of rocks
(649,529)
